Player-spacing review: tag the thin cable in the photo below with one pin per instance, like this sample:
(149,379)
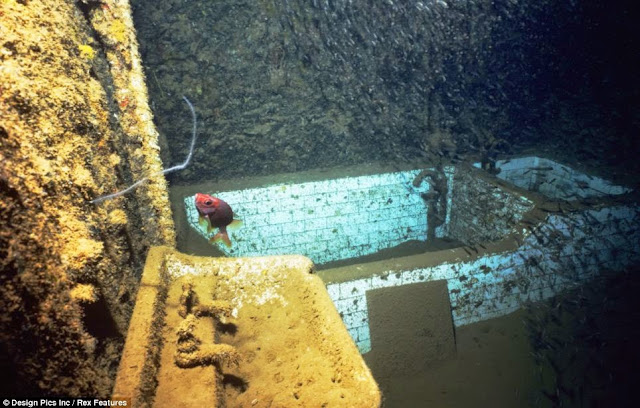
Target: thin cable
(165,171)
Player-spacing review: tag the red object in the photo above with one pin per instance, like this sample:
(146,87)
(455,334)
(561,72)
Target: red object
(217,214)
(124,103)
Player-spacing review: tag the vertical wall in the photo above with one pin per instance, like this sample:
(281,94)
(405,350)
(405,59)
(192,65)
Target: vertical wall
(295,85)
(74,125)
(566,250)
(325,220)
(482,211)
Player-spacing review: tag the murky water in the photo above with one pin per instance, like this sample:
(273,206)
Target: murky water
(284,86)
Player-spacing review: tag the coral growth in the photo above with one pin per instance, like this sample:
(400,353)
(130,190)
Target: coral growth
(86,51)
(62,267)
(84,293)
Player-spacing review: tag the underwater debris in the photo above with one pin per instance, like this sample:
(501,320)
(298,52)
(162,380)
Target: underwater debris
(435,198)
(190,351)
(188,298)
(209,354)
(190,304)
(187,341)
(216,309)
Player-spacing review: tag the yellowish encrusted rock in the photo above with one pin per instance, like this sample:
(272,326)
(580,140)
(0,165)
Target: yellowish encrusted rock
(66,137)
(84,293)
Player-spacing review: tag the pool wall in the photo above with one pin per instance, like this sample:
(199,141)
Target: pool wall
(483,211)
(566,250)
(327,220)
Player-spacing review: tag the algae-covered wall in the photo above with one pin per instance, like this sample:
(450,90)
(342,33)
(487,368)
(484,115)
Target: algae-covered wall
(291,85)
(74,125)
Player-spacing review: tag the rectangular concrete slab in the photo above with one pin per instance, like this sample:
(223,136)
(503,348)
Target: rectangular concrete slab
(277,342)
(410,326)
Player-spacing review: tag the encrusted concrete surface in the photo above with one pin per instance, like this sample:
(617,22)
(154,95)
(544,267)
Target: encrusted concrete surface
(281,344)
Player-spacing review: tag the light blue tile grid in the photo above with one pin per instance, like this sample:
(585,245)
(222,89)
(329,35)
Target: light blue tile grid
(325,220)
(498,284)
